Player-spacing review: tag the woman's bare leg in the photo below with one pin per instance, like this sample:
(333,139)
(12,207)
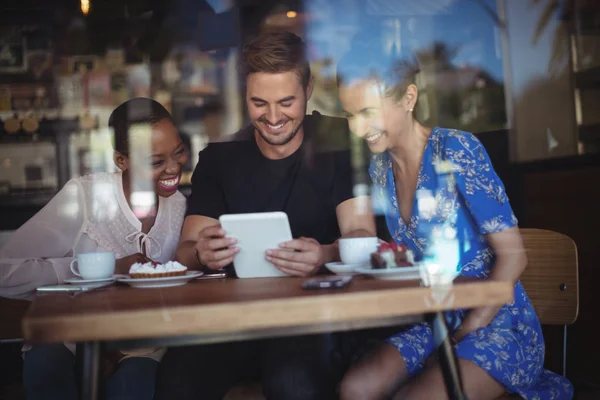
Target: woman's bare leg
(477,384)
(377,376)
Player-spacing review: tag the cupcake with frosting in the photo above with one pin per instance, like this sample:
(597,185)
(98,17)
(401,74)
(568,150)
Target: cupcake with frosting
(157,270)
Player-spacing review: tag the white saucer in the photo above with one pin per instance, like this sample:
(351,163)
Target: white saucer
(396,274)
(91,283)
(339,268)
(168,281)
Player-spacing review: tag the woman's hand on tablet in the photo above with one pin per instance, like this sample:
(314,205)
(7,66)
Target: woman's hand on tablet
(214,250)
(300,257)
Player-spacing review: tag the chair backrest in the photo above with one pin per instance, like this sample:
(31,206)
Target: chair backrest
(551,278)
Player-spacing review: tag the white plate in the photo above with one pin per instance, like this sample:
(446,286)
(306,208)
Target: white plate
(160,282)
(339,268)
(91,283)
(396,274)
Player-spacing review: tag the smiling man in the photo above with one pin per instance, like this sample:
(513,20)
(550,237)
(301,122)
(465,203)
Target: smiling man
(275,164)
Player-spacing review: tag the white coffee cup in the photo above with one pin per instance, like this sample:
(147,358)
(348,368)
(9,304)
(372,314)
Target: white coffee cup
(357,250)
(94,265)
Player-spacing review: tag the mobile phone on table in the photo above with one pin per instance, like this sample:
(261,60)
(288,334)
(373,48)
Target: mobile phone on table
(218,275)
(62,288)
(327,282)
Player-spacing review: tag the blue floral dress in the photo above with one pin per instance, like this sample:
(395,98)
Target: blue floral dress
(511,348)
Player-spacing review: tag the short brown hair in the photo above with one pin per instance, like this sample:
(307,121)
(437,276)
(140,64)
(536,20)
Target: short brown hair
(274,53)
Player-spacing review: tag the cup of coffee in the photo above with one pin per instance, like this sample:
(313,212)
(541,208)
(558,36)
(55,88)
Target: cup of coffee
(94,265)
(357,250)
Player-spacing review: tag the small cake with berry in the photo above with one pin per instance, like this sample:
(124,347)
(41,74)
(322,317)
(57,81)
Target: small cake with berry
(157,270)
(392,255)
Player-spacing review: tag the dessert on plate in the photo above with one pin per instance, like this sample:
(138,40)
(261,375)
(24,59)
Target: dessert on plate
(392,255)
(157,270)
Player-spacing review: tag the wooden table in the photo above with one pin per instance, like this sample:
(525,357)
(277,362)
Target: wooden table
(236,309)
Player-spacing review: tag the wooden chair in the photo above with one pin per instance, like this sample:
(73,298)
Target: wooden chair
(551,280)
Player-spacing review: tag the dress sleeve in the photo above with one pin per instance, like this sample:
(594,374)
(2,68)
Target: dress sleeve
(207,197)
(478,183)
(40,252)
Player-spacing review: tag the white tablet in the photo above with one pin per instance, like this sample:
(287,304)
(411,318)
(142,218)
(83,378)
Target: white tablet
(256,233)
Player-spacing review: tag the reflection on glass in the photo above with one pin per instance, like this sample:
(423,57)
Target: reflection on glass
(69,210)
(142,203)
(455,43)
(437,213)
(103,204)
(142,189)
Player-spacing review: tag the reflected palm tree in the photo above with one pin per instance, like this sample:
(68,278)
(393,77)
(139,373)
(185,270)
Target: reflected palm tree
(561,41)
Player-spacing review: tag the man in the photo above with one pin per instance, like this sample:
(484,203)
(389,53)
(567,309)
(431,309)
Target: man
(275,165)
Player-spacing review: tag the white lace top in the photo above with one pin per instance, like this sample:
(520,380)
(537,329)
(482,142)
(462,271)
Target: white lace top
(89,214)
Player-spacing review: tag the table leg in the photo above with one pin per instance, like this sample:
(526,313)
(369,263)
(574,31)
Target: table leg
(447,357)
(90,367)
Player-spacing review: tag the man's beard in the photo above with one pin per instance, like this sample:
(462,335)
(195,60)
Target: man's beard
(280,142)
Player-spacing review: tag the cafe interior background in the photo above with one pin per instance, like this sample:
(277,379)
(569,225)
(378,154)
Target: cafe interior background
(524,75)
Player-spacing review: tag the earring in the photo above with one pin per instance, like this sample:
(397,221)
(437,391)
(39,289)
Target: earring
(410,110)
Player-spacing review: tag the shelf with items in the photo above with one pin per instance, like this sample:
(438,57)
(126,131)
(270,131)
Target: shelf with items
(29,128)
(34,165)
(584,17)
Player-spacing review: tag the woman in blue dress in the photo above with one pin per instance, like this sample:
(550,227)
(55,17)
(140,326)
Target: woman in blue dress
(500,349)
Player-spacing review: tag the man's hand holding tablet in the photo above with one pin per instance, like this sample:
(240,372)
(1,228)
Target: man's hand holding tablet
(299,257)
(266,246)
(213,249)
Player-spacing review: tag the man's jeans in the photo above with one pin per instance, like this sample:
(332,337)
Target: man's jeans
(49,374)
(289,368)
